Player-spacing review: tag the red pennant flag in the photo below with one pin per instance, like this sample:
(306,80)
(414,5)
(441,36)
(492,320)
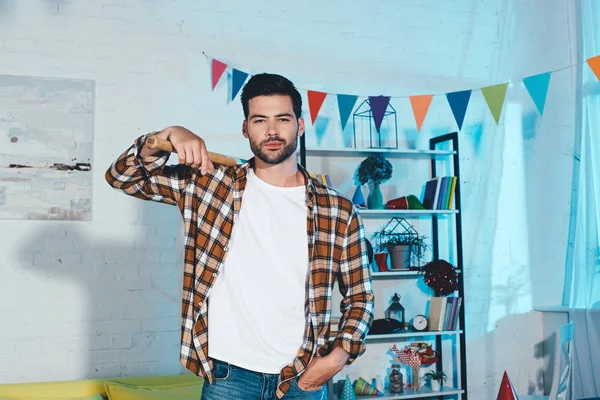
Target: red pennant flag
(315,101)
(507,391)
(420,106)
(217,71)
(594,64)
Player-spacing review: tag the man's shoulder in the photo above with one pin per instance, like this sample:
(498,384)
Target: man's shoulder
(226,172)
(219,176)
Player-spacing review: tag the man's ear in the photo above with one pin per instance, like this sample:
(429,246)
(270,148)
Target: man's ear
(245,129)
(300,126)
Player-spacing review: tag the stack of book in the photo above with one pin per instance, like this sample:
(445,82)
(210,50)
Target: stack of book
(444,313)
(439,193)
(324,179)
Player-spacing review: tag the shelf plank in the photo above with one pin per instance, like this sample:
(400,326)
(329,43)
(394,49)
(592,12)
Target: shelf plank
(408,334)
(392,336)
(391,274)
(424,392)
(367,213)
(356,152)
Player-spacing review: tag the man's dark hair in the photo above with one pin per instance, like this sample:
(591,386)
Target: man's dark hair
(270,85)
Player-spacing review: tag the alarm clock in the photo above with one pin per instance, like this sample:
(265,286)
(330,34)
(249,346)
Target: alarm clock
(420,323)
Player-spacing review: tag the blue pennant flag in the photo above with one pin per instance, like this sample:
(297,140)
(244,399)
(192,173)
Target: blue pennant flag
(346,104)
(537,86)
(458,103)
(237,81)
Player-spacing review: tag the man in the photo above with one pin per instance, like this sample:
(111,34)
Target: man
(264,243)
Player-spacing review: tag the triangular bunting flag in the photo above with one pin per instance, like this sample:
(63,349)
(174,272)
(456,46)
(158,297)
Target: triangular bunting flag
(537,86)
(315,101)
(363,388)
(507,391)
(420,105)
(458,103)
(237,81)
(347,392)
(217,71)
(594,64)
(346,104)
(494,96)
(378,105)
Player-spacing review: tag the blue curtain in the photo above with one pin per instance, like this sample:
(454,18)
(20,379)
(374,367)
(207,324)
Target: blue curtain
(582,275)
(582,270)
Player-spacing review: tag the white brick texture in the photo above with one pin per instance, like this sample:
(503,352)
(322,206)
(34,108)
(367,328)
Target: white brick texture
(102,298)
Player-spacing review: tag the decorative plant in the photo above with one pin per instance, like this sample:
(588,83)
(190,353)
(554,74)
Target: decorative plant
(416,242)
(426,352)
(439,376)
(400,232)
(441,276)
(417,354)
(375,169)
(416,246)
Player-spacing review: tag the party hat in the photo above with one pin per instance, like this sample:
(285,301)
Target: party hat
(363,388)
(507,391)
(347,390)
(358,199)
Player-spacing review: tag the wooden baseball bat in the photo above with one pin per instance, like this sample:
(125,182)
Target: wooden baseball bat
(155,143)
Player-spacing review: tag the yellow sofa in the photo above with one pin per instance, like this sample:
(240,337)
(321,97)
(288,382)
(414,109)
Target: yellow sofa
(86,389)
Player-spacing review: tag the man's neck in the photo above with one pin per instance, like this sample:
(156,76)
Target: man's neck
(285,174)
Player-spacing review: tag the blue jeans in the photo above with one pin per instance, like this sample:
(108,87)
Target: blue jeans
(232,383)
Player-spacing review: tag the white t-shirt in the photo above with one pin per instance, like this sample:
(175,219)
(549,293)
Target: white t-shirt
(256,309)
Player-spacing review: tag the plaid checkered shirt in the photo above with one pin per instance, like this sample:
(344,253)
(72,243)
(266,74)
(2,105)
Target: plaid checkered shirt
(210,205)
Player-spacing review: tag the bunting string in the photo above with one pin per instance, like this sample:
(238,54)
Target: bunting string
(494,95)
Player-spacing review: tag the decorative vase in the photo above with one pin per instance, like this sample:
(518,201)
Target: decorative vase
(400,256)
(415,385)
(435,385)
(381,260)
(375,198)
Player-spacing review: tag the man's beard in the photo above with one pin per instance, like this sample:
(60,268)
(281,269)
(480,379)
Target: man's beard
(274,156)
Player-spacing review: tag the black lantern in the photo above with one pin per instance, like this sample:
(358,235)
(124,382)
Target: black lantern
(396,310)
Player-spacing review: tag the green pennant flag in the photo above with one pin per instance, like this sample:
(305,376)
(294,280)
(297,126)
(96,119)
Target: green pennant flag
(494,96)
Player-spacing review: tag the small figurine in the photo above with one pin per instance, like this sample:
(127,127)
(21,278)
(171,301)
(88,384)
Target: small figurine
(396,384)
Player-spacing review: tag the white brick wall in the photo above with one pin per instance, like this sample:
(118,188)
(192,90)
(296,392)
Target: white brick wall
(102,298)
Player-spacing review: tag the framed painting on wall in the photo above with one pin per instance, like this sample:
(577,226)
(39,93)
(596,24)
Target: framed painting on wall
(46,136)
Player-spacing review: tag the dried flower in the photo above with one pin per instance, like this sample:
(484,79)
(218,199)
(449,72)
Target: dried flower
(374,169)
